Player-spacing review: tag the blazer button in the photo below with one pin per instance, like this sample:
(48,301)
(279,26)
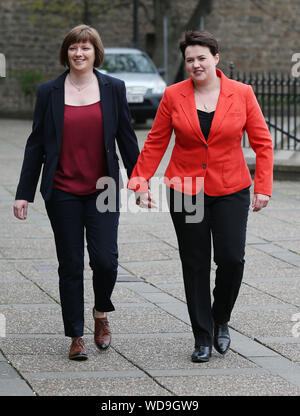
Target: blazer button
(205,146)
(204,166)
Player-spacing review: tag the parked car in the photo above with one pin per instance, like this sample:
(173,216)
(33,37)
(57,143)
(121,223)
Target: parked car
(144,84)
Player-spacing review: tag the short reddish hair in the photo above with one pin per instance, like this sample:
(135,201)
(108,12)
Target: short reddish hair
(82,33)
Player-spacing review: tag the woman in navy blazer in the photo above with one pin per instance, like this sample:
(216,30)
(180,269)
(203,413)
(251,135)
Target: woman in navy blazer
(78,118)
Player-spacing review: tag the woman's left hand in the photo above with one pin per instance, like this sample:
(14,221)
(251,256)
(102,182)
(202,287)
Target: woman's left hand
(259,201)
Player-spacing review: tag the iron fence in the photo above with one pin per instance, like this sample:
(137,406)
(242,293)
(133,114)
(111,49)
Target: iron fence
(279,99)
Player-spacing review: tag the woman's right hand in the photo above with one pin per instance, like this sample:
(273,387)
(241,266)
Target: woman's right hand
(20,209)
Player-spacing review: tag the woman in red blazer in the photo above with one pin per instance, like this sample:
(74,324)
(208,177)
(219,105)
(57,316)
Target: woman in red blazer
(209,114)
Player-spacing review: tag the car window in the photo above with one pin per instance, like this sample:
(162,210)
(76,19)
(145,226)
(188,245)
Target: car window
(135,63)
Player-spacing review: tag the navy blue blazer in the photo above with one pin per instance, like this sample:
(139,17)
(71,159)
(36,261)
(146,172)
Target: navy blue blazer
(44,143)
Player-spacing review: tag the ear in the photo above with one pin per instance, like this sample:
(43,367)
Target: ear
(217,58)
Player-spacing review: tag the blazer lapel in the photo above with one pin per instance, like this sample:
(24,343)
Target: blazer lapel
(58,106)
(106,105)
(188,105)
(225,101)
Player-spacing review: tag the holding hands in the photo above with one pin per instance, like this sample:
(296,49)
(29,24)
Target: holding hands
(145,200)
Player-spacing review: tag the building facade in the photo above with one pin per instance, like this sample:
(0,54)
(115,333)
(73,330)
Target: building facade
(257,35)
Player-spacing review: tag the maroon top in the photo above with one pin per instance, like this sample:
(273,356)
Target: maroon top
(82,159)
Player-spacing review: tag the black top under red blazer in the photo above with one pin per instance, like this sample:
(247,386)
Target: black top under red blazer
(44,143)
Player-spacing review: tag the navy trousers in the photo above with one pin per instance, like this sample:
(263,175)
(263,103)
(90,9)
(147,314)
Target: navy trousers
(72,216)
(224,223)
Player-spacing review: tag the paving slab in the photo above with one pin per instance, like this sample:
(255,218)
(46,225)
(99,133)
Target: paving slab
(290,351)
(151,323)
(281,366)
(248,384)
(9,276)
(5,266)
(23,230)
(15,387)
(255,298)
(290,293)
(292,245)
(133,385)
(33,319)
(174,289)
(248,347)
(44,251)
(155,353)
(271,229)
(292,215)
(23,292)
(167,271)
(270,262)
(255,323)
(141,319)
(7,371)
(146,251)
(259,270)
(57,360)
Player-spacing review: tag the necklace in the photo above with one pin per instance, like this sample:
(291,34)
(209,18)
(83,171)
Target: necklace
(204,105)
(80,88)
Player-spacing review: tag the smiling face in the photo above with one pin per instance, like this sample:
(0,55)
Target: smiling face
(81,56)
(200,64)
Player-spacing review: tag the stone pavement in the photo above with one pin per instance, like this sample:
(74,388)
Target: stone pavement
(152,338)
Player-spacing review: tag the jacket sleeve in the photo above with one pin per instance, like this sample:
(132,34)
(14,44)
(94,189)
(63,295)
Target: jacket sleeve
(126,137)
(261,142)
(33,156)
(154,148)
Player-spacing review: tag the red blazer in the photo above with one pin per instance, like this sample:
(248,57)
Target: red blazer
(220,159)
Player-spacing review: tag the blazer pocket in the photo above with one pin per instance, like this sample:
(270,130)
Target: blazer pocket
(235,114)
(231,173)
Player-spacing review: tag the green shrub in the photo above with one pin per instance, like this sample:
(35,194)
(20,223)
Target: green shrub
(29,80)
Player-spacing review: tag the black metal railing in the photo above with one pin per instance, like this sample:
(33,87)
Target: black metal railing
(279,99)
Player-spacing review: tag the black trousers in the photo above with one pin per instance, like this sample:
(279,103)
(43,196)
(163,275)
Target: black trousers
(70,215)
(225,221)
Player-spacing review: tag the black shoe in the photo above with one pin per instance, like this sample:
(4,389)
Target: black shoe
(221,338)
(201,354)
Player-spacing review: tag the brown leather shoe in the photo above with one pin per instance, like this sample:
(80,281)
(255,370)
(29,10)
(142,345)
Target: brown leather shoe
(77,350)
(102,335)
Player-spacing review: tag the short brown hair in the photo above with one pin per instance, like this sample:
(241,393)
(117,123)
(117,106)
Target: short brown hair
(82,33)
(199,37)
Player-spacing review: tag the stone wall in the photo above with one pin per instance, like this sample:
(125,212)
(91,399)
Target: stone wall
(257,35)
